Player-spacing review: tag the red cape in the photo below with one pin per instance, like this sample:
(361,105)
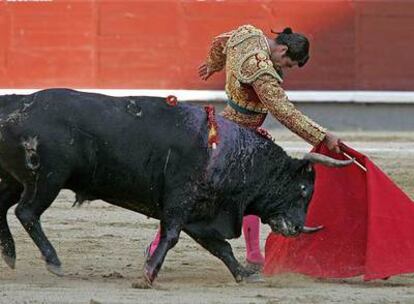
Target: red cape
(369,226)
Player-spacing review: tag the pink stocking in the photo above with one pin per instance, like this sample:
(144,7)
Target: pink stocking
(155,242)
(251,232)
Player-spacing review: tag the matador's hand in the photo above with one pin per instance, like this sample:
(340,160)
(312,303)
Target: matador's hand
(204,72)
(332,142)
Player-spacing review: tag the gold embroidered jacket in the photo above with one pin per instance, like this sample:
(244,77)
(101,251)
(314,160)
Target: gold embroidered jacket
(253,84)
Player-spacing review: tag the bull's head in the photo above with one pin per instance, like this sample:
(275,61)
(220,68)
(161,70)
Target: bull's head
(288,215)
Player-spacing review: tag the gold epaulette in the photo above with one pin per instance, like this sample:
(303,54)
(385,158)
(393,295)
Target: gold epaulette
(243,33)
(250,55)
(255,64)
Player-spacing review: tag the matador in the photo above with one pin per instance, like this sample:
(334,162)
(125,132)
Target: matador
(254,64)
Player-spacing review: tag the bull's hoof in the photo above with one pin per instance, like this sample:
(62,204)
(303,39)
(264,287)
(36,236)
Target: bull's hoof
(249,276)
(253,267)
(56,270)
(10,261)
(142,284)
(148,275)
(254,278)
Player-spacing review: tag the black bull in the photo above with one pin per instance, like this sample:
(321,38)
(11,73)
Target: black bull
(145,155)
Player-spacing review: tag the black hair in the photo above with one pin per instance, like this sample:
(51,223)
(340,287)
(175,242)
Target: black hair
(298,45)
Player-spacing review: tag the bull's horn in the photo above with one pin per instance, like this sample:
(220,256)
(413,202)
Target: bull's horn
(316,158)
(307,229)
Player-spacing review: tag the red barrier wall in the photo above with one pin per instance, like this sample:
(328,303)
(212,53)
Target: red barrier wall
(158,44)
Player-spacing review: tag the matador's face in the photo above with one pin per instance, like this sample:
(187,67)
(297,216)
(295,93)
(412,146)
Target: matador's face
(280,59)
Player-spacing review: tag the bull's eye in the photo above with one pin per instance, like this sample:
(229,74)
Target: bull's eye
(303,191)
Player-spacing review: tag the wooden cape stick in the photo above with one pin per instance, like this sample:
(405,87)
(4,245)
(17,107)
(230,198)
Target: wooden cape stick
(355,161)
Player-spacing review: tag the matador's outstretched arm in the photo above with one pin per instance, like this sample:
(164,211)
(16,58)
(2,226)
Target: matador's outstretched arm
(275,99)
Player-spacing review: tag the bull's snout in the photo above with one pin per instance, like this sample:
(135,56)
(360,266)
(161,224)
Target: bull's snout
(288,229)
(284,227)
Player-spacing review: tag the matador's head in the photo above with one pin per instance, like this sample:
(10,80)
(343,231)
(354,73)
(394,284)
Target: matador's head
(289,49)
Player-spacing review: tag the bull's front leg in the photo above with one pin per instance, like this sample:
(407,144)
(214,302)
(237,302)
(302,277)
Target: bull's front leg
(170,233)
(175,209)
(222,250)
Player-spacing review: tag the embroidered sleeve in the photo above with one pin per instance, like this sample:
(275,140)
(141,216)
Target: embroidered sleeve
(216,58)
(275,99)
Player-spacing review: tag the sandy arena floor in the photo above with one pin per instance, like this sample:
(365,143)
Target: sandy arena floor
(101,248)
